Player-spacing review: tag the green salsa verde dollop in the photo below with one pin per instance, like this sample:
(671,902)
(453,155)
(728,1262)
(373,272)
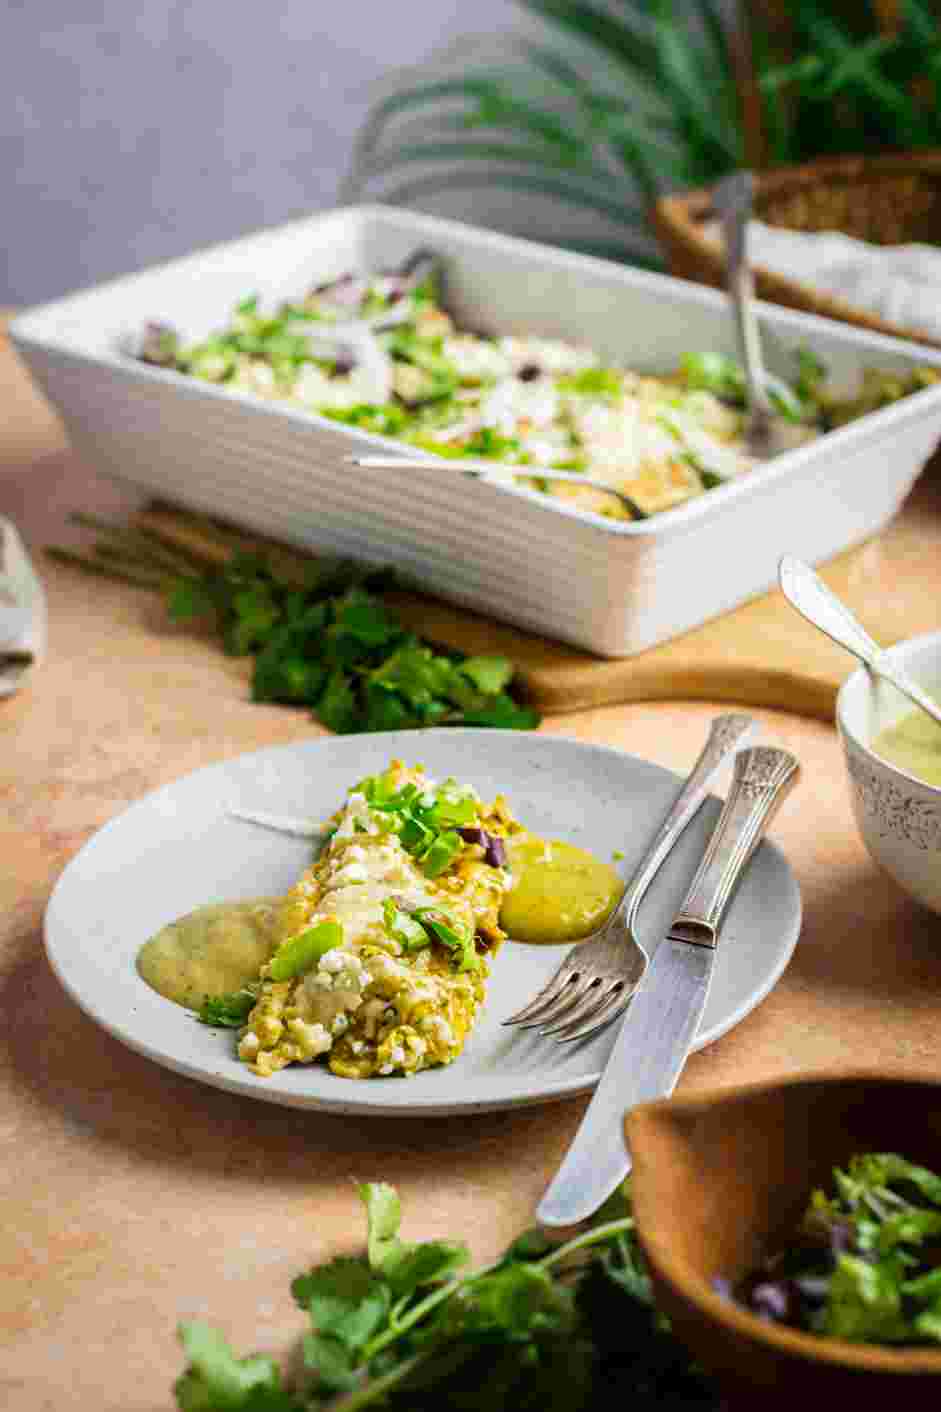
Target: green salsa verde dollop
(559,893)
(214,950)
(914,744)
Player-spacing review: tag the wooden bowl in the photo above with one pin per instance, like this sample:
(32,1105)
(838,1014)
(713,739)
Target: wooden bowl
(721,1180)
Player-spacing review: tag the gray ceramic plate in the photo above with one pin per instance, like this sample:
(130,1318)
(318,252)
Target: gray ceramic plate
(176,849)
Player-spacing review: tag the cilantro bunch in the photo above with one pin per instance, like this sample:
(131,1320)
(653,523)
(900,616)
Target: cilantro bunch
(319,631)
(406,1328)
(866,1263)
(336,649)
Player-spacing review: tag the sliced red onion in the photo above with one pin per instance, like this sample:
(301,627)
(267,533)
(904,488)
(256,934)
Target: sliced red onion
(772,1300)
(493,845)
(496,852)
(403,904)
(345,293)
(157,344)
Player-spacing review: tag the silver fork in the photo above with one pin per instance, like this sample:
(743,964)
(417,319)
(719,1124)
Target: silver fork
(599,975)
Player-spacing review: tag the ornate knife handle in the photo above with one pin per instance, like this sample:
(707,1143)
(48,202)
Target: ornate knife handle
(726,734)
(761,780)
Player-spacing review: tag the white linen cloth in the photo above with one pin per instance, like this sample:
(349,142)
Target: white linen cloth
(22,608)
(898,283)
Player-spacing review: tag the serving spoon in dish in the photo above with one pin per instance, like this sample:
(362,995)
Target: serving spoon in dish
(497,472)
(766,432)
(807,592)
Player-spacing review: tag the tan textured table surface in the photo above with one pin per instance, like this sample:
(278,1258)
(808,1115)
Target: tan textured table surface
(132,1197)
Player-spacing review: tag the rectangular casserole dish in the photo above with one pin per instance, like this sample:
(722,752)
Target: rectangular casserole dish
(613,588)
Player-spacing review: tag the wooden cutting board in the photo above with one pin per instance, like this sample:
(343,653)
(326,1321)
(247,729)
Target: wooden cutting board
(761,654)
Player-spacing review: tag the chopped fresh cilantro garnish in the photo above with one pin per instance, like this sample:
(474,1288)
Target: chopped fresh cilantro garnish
(452,934)
(426,822)
(491,444)
(811,375)
(715,373)
(403,928)
(440,854)
(226,1011)
(593,382)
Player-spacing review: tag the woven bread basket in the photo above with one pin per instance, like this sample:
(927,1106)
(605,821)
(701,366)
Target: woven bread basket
(888,200)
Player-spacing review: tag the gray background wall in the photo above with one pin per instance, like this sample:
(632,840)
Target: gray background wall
(135,130)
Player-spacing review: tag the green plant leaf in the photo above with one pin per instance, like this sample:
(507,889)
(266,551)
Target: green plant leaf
(331,1360)
(468,151)
(569,192)
(693,95)
(614,37)
(189,598)
(865,1303)
(337,707)
(489,674)
(383,1218)
(216,1381)
(345,1300)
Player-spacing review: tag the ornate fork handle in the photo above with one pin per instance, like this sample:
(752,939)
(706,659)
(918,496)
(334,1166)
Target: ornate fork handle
(727,735)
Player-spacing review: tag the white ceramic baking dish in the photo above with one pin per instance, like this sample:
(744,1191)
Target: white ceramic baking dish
(613,588)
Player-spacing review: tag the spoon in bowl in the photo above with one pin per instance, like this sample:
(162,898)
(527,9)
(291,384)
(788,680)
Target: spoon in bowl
(766,432)
(806,592)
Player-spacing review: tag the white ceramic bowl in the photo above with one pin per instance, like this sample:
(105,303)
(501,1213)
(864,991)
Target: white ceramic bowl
(612,587)
(899,816)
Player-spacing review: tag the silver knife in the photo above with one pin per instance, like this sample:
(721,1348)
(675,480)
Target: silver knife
(658,1031)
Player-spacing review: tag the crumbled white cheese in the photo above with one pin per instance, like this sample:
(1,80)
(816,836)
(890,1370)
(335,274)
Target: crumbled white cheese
(333,961)
(548,354)
(475,360)
(612,437)
(509,403)
(351,873)
(439,1029)
(357,817)
(311,1040)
